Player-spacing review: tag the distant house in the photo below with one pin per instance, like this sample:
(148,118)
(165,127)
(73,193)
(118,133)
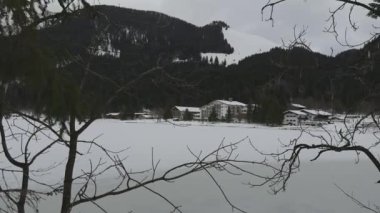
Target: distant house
(113,115)
(178,112)
(298,114)
(317,115)
(144,114)
(294,117)
(221,109)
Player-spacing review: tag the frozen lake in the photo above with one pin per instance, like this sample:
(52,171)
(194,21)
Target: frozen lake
(310,190)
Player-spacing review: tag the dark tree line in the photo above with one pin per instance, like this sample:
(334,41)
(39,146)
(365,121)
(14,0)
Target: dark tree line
(271,79)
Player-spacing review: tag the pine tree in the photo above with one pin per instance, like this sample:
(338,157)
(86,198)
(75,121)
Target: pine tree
(270,111)
(211,60)
(167,114)
(375,12)
(213,116)
(216,61)
(249,116)
(187,115)
(205,60)
(224,63)
(229,115)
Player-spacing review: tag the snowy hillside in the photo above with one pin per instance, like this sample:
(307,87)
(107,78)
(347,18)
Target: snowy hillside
(244,45)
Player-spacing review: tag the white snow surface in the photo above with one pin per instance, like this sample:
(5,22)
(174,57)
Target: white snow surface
(244,45)
(171,141)
(312,190)
(106,48)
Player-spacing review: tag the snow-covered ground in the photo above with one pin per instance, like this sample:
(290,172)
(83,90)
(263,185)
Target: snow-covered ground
(311,190)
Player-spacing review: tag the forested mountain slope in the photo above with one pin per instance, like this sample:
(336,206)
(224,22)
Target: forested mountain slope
(120,45)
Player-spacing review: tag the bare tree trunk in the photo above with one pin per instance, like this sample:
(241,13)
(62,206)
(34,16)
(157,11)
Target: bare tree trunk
(24,166)
(68,181)
(24,189)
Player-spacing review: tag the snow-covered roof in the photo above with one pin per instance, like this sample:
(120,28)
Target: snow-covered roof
(190,109)
(113,114)
(316,112)
(310,111)
(324,113)
(297,112)
(298,106)
(232,103)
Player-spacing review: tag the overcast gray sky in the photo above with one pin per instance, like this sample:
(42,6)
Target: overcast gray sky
(244,17)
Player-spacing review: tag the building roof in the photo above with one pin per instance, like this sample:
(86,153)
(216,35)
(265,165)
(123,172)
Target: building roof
(140,113)
(297,112)
(324,113)
(190,109)
(232,103)
(113,114)
(316,112)
(298,106)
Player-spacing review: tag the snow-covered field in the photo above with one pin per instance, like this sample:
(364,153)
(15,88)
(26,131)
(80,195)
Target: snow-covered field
(311,190)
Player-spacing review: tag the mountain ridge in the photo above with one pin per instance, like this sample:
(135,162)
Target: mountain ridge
(135,41)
